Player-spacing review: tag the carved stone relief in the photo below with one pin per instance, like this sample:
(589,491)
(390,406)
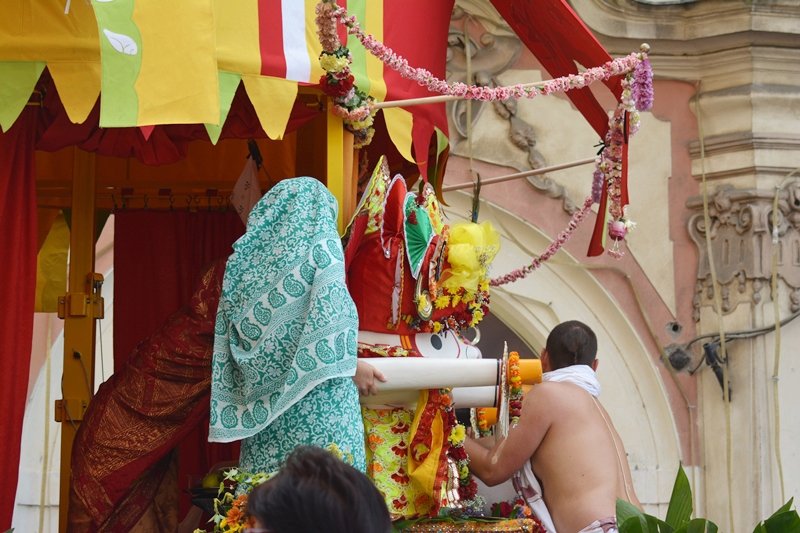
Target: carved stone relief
(742,238)
(491,54)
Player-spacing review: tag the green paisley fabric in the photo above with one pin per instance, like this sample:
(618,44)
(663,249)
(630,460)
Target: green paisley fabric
(324,416)
(285,332)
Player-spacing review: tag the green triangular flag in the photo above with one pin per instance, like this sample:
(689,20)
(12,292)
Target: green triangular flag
(17,81)
(228,83)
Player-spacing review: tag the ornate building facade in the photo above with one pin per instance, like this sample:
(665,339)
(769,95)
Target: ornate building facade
(689,313)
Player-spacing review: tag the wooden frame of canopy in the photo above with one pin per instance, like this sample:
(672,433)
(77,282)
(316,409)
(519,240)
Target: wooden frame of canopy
(81,61)
(83,302)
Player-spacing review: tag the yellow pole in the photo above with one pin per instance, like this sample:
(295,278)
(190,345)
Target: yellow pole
(340,169)
(79,308)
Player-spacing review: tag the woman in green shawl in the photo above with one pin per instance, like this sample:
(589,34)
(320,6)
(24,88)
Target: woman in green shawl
(285,335)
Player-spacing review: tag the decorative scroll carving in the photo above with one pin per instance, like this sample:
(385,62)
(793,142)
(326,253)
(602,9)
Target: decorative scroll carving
(490,55)
(741,236)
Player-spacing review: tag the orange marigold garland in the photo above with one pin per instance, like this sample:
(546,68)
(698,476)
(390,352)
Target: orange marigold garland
(484,429)
(514,389)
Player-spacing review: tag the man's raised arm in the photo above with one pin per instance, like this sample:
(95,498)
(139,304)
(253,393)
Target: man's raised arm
(497,464)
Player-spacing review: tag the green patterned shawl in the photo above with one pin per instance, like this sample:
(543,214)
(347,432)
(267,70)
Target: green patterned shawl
(286,322)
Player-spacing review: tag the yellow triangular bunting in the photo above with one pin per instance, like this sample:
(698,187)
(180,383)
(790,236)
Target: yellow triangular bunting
(78,86)
(273,99)
(399,123)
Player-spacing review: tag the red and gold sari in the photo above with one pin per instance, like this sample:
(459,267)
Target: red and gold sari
(123,448)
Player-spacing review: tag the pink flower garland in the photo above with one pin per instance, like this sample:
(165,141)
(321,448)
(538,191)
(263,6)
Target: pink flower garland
(551,250)
(637,95)
(349,102)
(617,67)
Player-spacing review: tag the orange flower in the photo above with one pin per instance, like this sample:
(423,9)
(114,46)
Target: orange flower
(375,439)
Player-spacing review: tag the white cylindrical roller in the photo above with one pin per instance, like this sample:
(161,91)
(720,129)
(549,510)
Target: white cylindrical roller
(416,373)
(463,397)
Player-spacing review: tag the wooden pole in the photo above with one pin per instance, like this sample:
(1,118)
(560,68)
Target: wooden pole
(79,308)
(517,175)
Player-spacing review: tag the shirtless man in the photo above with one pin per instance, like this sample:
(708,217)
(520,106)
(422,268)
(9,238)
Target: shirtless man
(567,438)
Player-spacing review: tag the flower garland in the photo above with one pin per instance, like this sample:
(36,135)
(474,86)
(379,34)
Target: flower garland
(230,510)
(230,505)
(462,317)
(616,67)
(637,95)
(551,250)
(517,508)
(483,422)
(467,488)
(349,102)
(514,389)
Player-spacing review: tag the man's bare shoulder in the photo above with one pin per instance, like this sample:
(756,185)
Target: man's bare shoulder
(551,396)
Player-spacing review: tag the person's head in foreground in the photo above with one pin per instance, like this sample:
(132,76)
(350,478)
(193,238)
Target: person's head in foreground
(317,492)
(570,343)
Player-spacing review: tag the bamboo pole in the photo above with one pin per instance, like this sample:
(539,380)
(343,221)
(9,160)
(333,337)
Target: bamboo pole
(517,175)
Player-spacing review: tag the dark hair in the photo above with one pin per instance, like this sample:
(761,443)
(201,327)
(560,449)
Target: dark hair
(571,343)
(317,492)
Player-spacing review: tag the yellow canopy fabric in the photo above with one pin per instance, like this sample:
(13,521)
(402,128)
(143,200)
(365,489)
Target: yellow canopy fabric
(153,62)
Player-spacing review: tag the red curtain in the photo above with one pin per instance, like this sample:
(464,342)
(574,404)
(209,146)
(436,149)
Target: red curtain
(158,257)
(18,247)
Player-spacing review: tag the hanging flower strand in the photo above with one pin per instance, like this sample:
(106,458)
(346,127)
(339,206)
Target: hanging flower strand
(637,95)
(349,102)
(551,250)
(616,67)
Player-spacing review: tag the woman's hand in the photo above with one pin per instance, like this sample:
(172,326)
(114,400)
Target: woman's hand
(366,378)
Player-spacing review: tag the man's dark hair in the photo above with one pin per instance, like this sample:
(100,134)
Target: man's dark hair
(317,492)
(571,343)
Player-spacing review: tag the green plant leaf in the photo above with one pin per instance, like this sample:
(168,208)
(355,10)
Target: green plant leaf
(680,503)
(783,522)
(626,510)
(786,507)
(633,524)
(658,526)
(701,525)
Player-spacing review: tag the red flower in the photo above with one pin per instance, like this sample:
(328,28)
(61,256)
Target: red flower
(336,87)
(457,453)
(468,491)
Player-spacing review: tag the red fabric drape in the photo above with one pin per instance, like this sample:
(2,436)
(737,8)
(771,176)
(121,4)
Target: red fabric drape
(560,41)
(158,257)
(18,248)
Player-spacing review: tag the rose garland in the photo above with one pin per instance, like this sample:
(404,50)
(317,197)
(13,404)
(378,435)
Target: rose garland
(349,102)
(467,488)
